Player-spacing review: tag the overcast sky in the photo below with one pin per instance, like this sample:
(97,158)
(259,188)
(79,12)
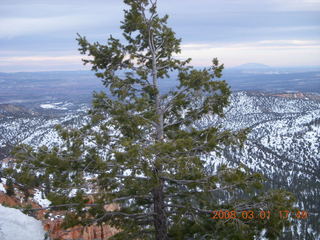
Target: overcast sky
(39,35)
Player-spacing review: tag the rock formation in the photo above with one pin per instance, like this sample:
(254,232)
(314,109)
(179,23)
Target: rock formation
(53,225)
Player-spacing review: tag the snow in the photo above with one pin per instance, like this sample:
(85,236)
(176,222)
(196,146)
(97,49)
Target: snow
(2,189)
(47,106)
(14,225)
(72,193)
(57,106)
(2,182)
(43,202)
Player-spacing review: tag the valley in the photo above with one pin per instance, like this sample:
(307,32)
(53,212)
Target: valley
(283,144)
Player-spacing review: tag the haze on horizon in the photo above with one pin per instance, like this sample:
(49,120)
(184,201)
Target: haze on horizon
(40,35)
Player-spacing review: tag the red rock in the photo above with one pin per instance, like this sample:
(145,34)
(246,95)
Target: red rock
(93,232)
(54,227)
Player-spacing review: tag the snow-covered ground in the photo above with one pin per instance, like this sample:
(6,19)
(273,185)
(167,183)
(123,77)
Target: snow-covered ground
(14,225)
(41,199)
(2,189)
(57,106)
(37,130)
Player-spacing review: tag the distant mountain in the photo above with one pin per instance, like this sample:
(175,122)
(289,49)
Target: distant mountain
(14,110)
(77,87)
(42,86)
(252,66)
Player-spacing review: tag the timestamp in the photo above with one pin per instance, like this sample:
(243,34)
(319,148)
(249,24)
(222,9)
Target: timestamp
(245,215)
(285,214)
(263,214)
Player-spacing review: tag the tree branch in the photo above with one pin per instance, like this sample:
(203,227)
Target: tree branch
(188,207)
(89,205)
(183,181)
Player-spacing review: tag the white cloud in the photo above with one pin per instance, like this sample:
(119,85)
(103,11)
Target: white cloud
(19,18)
(293,5)
(53,18)
(271,52)
(287,43)
(41,63)
(41,59)
(216,6)
(293,42)
(286,52)
(12,27)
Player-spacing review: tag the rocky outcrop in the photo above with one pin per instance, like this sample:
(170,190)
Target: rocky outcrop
(13,201)
(298,95)
(93,232)
(15,110)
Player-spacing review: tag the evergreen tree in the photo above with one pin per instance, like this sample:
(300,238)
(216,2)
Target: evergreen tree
(144,150)
(10,188)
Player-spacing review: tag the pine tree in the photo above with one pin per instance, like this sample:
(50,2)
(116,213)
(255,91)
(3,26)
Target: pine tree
(10,188)
(143,148)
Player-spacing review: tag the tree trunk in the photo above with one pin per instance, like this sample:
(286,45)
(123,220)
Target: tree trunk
(160,218)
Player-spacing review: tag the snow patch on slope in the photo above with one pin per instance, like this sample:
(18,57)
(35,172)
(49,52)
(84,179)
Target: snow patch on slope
(18,226)
(2,189)
(42,201)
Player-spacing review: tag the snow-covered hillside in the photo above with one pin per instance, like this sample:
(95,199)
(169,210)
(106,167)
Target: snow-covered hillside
(284,144)
(36,130)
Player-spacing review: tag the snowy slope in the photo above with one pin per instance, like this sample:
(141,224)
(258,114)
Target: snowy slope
(36,130)
(284,144)
(14,225)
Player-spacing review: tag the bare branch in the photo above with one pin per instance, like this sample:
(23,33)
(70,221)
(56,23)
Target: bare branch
(90,205)
(129,176)
(169,103)
(160,45)
(188,207)
(163,67)
(130,215)
(183,181)
(61,206)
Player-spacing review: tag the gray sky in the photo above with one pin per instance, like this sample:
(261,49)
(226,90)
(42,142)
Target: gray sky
(40,35)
